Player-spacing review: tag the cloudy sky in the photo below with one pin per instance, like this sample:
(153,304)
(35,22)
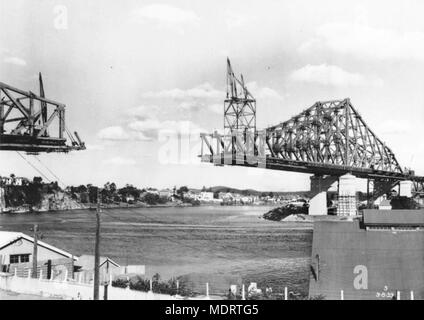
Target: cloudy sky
(141,79)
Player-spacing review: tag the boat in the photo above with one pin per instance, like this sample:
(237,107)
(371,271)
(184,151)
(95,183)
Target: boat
(22,209)
(376,255)
(5,210)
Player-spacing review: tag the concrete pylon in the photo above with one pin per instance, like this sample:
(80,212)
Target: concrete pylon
(347,204)
(319,188)
(405,189)
(2,200)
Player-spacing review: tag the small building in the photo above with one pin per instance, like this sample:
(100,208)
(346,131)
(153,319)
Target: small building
(206,196)
(152,191)
(13,181)
(190,195)
(246,200)
(129,198)
(85,268)
(16,255)
(385,205)
(165,193)
(226,196)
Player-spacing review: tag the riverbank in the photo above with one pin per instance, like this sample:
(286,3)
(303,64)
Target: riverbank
(93,206)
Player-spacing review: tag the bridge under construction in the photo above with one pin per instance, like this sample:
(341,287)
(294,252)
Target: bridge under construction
(329,139)
(33,123)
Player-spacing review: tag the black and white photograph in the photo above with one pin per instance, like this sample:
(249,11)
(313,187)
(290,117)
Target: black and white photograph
(213,152)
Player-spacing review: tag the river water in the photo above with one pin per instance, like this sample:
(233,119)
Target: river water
(214,244)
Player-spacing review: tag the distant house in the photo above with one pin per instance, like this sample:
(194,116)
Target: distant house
(190,195)
(165,193)
(205,196)
(221,195)
(129,198)
(16,254)
(226,196)
(246,200)
(16,181)
(85,268)
(152,190)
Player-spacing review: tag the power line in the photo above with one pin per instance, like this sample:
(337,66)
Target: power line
(41,173)
(51,172)
(34,167)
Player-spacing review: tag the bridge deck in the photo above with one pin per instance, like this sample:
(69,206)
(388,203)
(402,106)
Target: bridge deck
(33,144)
(305,167)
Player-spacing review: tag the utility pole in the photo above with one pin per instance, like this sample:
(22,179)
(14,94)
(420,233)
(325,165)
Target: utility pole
(97,250)
(34,253)
(106,281)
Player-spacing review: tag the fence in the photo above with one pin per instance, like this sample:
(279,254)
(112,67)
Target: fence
(72,290)
(59,268)
(384,295)
(69,289)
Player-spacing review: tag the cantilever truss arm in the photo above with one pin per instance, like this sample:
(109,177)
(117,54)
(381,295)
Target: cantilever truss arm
(27,122)
(331,132)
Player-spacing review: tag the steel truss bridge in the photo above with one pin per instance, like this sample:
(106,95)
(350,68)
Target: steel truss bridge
(33,123)
(329,138)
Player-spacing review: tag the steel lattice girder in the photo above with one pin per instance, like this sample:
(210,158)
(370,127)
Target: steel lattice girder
(26,122)
(240,105)
(331,132)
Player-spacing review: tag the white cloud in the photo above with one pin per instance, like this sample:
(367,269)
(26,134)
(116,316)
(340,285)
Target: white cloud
(202,98)
(196,96)
(114,133)
(262,93)
(140,136)
(333,75)
(15,60)
(205,90)
(217,108)
(166,14)
(143,111)
(165,109)
(95,147)
(151,128)
(366,42)
(235,20)
(120,161)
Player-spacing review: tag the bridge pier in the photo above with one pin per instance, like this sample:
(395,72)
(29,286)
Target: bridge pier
(346,206)
(2,199)
(319,188)
(405,189)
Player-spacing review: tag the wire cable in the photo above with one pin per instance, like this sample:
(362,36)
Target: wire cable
(34,167)
(51,172)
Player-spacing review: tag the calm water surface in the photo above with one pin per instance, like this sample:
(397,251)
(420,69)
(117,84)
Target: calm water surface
(219,245)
